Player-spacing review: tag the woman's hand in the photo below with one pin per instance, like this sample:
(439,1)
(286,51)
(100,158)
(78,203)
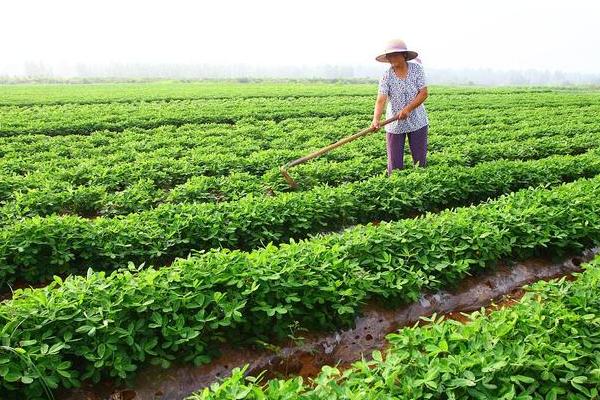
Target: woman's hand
(403,114)
(376,124)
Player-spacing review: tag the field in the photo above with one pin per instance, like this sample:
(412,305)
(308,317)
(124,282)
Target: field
(148,224)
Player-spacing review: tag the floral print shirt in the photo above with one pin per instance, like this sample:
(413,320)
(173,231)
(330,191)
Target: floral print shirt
(400,92)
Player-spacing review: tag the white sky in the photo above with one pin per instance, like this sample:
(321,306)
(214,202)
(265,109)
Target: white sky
(508,34)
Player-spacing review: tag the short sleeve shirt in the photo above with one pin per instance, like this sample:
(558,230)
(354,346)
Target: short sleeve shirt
(400,93)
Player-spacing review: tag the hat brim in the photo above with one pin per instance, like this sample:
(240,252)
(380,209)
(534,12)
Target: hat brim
(410,55)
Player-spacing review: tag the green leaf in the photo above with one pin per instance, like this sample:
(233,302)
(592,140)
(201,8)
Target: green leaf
(461,382)
(377,356)
(522,378)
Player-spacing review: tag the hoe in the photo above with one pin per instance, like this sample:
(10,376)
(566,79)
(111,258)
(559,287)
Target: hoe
(284,168)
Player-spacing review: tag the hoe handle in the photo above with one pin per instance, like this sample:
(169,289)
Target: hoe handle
(337,144)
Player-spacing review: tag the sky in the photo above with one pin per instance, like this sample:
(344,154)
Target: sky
(505,35)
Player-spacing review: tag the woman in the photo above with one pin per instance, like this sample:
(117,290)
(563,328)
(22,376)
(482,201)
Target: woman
(404,85)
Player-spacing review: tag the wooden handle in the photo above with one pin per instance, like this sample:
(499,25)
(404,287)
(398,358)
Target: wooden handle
(337,144)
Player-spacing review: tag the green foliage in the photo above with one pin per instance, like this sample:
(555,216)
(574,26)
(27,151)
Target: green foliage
(545,347)
(38,248)
(169,156)
(109,325)
(103,176)
(43,175)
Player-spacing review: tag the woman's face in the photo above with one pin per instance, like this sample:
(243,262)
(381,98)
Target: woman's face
(396,59)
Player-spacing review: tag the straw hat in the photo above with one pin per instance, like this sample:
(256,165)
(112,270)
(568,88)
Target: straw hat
(395,46)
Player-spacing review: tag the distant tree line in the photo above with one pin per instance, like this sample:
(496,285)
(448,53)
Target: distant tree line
(137,72)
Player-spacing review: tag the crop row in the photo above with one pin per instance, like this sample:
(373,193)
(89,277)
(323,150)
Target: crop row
(27,154)
(27,95)
(242,139)
(123,182)
(51,196)
(356,169)
(84,119)
(36,248)
(527,351)
(108,325)
(169,156)
(506,120)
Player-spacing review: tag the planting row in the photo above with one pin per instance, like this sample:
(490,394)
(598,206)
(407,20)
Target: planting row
(52,196)
(36,248)
(37,94)
(524,352)
(84,119)
(105,325)
(26,95)
(336,173)
(251,135)
(252,140)
(26,153)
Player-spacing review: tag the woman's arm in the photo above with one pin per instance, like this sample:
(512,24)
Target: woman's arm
(379,106)
(417,101)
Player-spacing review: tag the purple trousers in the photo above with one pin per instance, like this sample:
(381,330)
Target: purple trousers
(417,140)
